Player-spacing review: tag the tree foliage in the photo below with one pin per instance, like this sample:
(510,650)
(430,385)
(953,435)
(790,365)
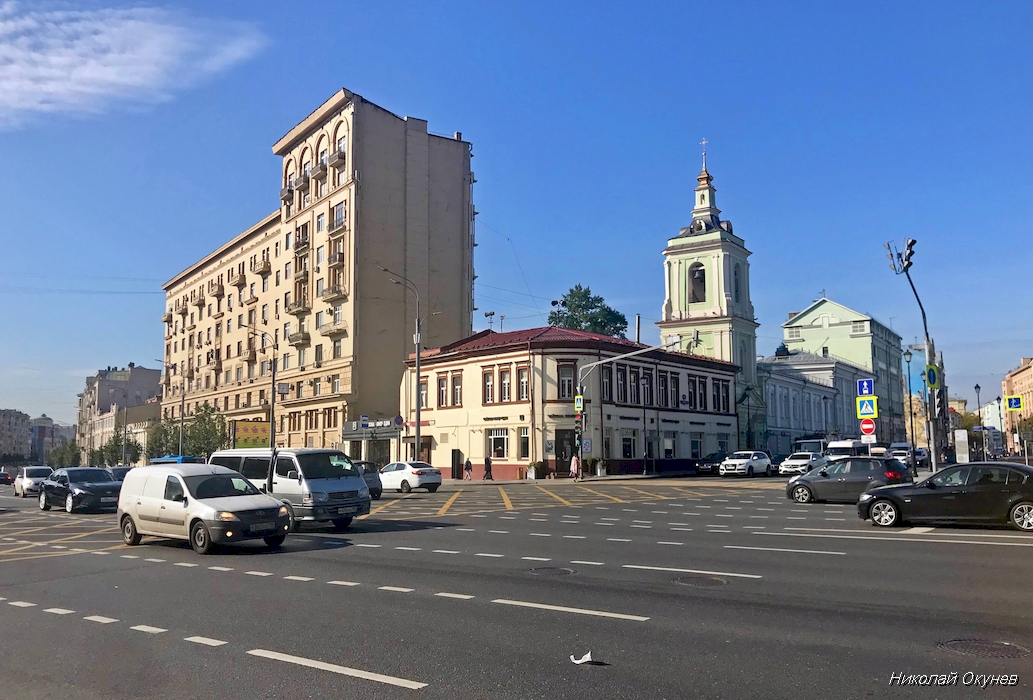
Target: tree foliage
(65,455)
(111,452)
(163,439)
(203,433)
(581,310)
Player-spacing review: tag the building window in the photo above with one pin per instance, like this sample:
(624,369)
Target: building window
(525,443)
(662,397)
(489,387)
(633,393)
(794,334)
(287,241)
(696,445)
(735,282)
(701,393)
(607,443)
(320,222)
(335,382)
(675,390)
(339,215)
(647,388)
(317,386)
(337,349)
(622,384)
(725,396)
(504,386)
(320,251)
(566,382)
(722,442)
(442,392)
(857,327)
(629,438)
(423,394)
(607,379)
(670,440)
(697,284)
(522,377)
(498,443)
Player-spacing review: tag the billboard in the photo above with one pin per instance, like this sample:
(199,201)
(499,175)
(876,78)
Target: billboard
(251,433)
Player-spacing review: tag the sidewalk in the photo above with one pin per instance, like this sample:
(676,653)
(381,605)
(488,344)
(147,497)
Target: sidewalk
(568,480)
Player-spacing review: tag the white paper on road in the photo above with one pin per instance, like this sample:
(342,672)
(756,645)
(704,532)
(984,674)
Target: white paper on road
(586,659)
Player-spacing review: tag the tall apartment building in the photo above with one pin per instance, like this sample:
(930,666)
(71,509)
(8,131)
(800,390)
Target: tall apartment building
(108,391)
(1018,382)
(46,434)
(362,189)
(15,438)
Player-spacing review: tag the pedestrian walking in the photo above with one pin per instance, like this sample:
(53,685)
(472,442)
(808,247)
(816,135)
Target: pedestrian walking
(487,469)
(575,468)
(468,471)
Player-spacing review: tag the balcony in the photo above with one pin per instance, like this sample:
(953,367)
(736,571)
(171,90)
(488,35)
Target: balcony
(301,183)
(197,300)
(166,317)
(301,277)
(216,289)
(299,338)
(334,328)
(251,300)
(250,355)
(189,374)
(237,279)
(337,227)
(337,160)
(182,308)
(319,172)
(301,243)
(262,267)
(337,259)
(287,194)
(334,292)
(302,306)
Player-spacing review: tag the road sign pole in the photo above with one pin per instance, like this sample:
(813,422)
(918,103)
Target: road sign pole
(930,359)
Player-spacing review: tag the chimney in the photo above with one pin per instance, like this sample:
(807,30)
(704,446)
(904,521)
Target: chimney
(132,364)
(638,328)
(459,136)
(791,314)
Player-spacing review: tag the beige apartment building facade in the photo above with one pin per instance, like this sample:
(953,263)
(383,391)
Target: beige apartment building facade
(106,394)
(511,395)
(1018,382)
(362,189)
(15,437)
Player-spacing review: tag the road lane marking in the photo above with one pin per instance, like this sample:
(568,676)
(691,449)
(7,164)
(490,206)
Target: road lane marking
(790,517)
(536,558)
(185,564)
(220,568)
(753,527)
(207,641)
(148,629)
(609,519)
(449,502)
(898,539)
(644,527)
(617,539)
(916,530)
(445,551)
(378,509)
(343,583)
(689,571)
(457,596)
(587,563)
(21,604)
(605,524)
(488,554)
(505,498)
(258,573)
(777,549)
(478,516)
(297,578)
(673,543)
(101,619)
(58,611)
(499,532)
(541,534)
(334,668)
(644,493)
(573,537)
(396,589)
(600,493)
(409,549)
(129,556)
(539,520)
(578,611)
(564,501)
(371,546)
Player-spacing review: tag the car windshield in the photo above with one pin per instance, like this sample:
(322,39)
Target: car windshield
(36,473)
(120,472)
(420,465)
(326,465)
(742,455)
(89,476)
(714,455)
(219,486)
(800,455)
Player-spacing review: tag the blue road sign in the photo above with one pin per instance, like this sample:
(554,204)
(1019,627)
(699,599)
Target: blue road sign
(1014,403)
(932,376)
(364,421)
(867,407)
(865,387)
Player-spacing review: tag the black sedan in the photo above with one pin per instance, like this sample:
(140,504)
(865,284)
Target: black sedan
(85,488)
(846,479)
(981,492)
(710,463)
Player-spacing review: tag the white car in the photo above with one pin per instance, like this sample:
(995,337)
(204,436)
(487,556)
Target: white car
(801,463)
(406,476)
(746,463)
(29,479)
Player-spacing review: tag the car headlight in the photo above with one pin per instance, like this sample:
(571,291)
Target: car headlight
(865,497)
(225,516)
(363,492)
(315,497)
(78,492)
(283,512)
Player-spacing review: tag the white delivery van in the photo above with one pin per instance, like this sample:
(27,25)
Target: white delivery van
(316,485)
(846,448)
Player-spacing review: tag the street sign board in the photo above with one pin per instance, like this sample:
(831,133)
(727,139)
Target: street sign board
(977,428)
(961,451)
(932,376)
(364,421)
(869,439)
(868,427)
(1014,403)
(579,403)
(550,447)
(586,444)
(867,407)
(399,421)
(865,387)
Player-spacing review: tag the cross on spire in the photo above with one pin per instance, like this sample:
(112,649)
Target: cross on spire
(704,143)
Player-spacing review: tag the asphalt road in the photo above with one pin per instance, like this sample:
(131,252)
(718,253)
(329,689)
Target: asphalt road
(680,588)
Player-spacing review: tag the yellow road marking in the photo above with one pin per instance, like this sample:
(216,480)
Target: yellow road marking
(505,499)
(449,502)
(644,493)
(564,501)
(600,493)
(386,505)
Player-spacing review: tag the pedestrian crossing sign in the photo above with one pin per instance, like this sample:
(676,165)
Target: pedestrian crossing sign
(579,404)
(1014,403)
(867,407)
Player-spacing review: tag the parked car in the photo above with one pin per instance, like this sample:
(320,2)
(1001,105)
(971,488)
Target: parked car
(981,492)
(845,479)
(6,478)
(746,463)
(29,479)
(119,472)
(406,476)
(802,462)
(80,488)
(371,475)
(205,504)
(711,463)
(922,456)
(316,485)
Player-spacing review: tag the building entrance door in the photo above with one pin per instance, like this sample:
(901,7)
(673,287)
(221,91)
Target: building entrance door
(564,451)
(457,465)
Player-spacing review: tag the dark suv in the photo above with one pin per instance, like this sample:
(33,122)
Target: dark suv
(846,478)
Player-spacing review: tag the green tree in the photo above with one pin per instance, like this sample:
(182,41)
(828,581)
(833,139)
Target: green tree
(111,452)
(95,458)
(65,455)
(206,432)
(163,439)
(581,310)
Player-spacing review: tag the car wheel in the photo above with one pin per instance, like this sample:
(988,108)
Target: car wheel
(294,525)
(432,489)
(1022,516)
(375,495)
(275,541)
(802,494)
(129,534)
(43,504)
(767,471)
(21,493)
(69,504)
(749,472)
(200,538)
(884,513)
(404,487)
(342,524)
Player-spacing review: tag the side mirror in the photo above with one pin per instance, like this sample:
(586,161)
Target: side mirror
(823,473)
(293,474)
(179,498)
(930,485)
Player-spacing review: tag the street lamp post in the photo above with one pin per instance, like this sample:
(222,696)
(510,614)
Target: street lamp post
(1000,422)
(417,337)
(911,410)
(263,336)
(125,419)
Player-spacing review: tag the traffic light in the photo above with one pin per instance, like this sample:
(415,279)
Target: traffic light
(909,251)
(578,424)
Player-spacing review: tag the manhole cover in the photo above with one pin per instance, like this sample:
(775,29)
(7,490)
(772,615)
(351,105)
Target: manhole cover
(985,648)
(701,581)
(552,571)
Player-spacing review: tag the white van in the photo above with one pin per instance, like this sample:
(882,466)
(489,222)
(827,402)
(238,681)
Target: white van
(205,504)
(316,485)
(846,448)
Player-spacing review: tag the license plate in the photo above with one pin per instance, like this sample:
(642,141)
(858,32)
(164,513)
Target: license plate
(108,499)
(263,527)
(345,511)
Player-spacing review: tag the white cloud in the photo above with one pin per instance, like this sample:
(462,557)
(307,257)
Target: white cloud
(76,61)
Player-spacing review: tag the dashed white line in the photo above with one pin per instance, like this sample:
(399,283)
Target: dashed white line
(617,539)
(540,534)
(185,564)
(461,529)
(672,543)
(371,546)
(396,589)
(334,668)
(578,611)
(148,629)
(573,537)
(344,583)
(207,641)
(409,549)
(58,611)
(258,573)
(723,515)
(445,551)
(681,529)
(536,558)
(538,520)
(499,532)
(790,517)
(457,596)
(766,510)
(587,563)
(21,604)
(777,549)
(689,571)
(101,619)
(101,553)
(129,556)
(488,554)
(297,578)
(156,561)
(220,568)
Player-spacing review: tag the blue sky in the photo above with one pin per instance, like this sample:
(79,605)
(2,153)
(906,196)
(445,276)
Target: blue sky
(832,130)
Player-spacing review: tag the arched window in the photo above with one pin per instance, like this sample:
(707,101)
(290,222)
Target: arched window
(701,198)
(735,279)
(697,284)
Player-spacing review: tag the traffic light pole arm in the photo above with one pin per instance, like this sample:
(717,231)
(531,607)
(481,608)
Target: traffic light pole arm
(585,370)
(930,359)
(925,324)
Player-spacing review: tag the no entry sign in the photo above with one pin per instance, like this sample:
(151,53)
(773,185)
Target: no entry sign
(867,427)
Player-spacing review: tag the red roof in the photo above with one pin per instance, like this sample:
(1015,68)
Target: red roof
(491,339)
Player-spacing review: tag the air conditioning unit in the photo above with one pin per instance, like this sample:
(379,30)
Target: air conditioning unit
(265,322)
(309,382)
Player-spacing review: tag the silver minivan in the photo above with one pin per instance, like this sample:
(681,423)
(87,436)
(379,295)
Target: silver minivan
(316,485)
